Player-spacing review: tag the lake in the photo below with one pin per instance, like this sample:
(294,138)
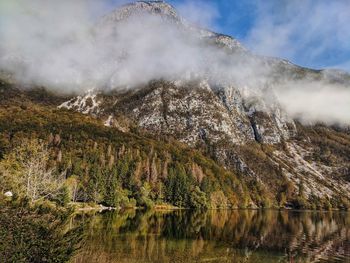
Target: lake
(216,236)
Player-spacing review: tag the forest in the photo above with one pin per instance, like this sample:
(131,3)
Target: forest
(68,157)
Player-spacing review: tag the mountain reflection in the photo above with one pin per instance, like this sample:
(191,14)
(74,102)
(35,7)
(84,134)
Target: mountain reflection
(217,236)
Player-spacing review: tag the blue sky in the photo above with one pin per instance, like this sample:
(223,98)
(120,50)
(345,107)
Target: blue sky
(310,33)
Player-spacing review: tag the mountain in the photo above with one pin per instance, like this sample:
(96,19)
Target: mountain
(232,130)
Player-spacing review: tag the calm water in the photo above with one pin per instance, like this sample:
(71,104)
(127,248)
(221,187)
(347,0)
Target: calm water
(217,236)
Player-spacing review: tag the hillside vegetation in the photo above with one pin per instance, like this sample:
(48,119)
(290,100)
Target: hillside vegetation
(106,166)
(94,163)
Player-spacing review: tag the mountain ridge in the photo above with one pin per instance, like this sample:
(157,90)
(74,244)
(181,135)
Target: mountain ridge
(246,132)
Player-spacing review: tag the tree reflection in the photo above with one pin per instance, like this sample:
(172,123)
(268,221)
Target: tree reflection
(216,236)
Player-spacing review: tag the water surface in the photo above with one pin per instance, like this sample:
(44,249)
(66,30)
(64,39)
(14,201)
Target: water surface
(217,236)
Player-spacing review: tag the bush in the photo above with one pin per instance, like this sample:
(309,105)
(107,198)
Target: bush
(45,206)
(266,203)
(147,203)
(300,203)
(198,199)
(218,200)
(63,196)
(132,203)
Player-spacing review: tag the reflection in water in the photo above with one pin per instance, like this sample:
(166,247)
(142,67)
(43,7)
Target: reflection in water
(217,236)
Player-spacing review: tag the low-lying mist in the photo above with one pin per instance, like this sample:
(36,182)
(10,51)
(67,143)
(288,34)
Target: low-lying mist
(64,45)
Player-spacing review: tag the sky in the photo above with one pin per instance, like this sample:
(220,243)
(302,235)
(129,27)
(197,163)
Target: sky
(310,33)
(66,46)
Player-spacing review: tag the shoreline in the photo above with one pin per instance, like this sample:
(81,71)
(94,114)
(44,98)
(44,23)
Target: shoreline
(99,207)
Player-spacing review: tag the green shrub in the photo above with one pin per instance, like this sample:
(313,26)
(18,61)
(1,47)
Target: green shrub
(198,199)
(63,196)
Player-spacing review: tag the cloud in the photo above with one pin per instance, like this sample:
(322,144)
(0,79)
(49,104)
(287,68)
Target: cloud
(199,12)
(311,101)
(62,44)
(309,32)
(65,45)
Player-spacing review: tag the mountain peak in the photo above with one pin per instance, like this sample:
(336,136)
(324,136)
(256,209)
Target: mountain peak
(167,11)
(153,7)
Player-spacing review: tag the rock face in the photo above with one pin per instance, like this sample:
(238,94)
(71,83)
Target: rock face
(86,104)
(318,181)
(192,113)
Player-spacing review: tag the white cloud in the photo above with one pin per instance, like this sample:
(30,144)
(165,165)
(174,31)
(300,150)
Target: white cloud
(199,12)
(312,101)
(303,30)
